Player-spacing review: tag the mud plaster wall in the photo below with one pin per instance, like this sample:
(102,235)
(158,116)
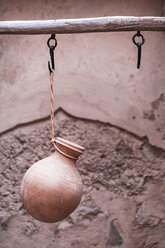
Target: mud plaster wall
(96,74)
(124,195)
(123,174)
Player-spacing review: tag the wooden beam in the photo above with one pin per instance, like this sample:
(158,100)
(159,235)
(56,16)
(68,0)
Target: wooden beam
(84,25)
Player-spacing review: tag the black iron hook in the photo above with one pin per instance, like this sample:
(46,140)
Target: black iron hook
(139,46)
(51,50)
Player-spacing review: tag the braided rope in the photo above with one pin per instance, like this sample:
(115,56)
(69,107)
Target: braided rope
(53,140)
(52,107)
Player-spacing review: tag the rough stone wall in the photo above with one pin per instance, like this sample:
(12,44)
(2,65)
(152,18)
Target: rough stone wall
(124,195)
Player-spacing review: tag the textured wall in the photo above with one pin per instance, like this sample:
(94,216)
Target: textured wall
(123,173)
(96,74)
(124,188)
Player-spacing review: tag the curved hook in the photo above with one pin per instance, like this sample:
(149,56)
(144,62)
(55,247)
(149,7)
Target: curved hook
(51,50)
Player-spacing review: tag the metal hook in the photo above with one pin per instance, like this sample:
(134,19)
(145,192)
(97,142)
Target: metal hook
(51,51)
(139,46)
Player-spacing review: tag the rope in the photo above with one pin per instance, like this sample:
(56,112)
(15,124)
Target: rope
(53,140)
(52,107)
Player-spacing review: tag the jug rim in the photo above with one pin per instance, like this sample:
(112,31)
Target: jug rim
(68,148)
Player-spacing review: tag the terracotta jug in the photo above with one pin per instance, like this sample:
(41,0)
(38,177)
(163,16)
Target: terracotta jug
(52,188)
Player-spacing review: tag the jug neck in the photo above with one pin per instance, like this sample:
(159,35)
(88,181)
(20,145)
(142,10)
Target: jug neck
(68,149)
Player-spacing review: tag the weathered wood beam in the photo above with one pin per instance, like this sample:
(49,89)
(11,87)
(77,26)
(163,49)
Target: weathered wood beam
(84,25)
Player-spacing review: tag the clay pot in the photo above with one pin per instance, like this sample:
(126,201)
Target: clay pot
(52,188)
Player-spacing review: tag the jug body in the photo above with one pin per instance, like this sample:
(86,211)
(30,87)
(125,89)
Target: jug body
(52,187)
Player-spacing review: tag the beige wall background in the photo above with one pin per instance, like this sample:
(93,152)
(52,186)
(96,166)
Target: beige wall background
(96,75)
